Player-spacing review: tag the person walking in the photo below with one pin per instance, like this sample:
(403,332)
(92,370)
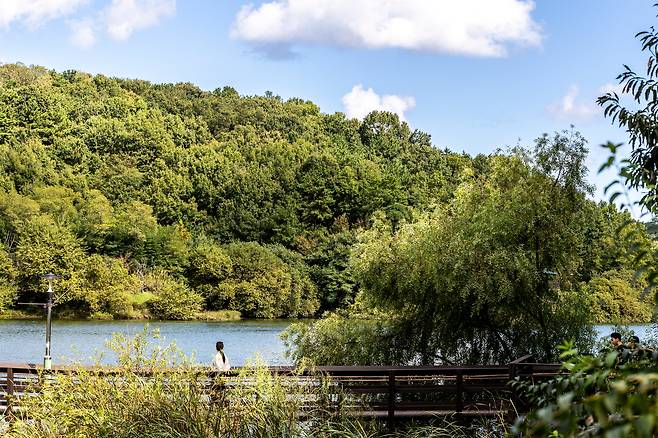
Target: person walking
(639,351)
(616,342)
(220,361)
(623,353)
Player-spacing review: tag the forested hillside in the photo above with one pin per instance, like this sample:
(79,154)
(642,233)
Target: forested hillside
(161,200)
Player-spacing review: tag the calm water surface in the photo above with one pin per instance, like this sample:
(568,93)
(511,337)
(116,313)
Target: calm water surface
(641,330)
(23,341)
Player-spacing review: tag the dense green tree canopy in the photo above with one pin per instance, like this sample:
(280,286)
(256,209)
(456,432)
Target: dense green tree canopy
(477,272)
(251,202)
(164,199)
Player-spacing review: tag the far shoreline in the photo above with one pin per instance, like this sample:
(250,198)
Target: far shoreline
(207,316)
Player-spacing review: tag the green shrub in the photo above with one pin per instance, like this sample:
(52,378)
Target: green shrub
(219,315)
(173,299)
(264,283)
(613,395)
(8,295)
(46,246)
(209,263)
(108,287)
(102,316)
(8,290)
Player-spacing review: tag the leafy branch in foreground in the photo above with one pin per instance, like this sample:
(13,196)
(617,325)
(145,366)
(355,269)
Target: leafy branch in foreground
(639,171)
(612,395)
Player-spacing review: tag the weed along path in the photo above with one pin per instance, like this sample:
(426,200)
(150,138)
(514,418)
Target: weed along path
(22,341)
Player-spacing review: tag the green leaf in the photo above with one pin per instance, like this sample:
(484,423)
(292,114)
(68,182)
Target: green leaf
(611,359)
(644,425)
(614,196)
(607,164)
(615,182)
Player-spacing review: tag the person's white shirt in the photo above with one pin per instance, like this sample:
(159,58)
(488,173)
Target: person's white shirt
(221,363)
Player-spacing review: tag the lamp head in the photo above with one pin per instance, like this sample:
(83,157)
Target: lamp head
(50,276)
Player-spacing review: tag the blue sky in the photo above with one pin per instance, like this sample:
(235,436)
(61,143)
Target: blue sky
(532,67)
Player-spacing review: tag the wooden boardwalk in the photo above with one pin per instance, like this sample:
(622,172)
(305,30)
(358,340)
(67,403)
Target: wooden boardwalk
(384,392)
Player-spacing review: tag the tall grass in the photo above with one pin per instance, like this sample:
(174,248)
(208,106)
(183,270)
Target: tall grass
(159,393)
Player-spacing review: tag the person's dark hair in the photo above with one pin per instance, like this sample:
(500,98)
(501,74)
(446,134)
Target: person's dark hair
(220,347)
(615,335)
(634,339)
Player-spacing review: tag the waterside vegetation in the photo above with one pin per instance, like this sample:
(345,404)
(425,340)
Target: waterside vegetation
(164,201)
(161,393)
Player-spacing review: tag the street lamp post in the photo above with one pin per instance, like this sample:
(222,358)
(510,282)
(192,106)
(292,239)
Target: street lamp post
(48,305)
(47,359)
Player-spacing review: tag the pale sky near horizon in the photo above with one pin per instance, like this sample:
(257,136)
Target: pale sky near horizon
(476,74)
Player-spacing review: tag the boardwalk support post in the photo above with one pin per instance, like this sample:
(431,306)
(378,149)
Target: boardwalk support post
(459,403)
(10,393)
(391,400)
(515,399)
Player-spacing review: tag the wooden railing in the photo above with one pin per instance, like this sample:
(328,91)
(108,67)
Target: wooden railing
(390,393)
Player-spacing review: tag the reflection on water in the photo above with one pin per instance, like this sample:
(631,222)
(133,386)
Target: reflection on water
(23,341)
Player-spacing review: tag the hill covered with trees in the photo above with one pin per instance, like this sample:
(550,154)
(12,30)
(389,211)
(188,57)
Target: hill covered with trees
(161,200)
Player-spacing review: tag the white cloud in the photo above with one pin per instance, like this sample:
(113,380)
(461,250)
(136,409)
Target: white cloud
(572,109)
(35,12)
(123,17)
(611,88)
(466,27)
(82,33)
(359,103)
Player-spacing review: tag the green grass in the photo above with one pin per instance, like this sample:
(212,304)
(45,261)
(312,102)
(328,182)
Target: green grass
(175,402)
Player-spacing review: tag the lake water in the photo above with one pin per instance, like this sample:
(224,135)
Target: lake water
(643,331)
(23,341)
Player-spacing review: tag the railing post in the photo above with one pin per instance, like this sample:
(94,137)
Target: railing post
(10,393)
(391,400)
(514,367)
(459,402)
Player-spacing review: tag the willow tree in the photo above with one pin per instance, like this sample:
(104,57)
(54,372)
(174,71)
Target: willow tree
(489,277)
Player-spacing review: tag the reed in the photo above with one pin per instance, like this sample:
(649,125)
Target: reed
(159,392)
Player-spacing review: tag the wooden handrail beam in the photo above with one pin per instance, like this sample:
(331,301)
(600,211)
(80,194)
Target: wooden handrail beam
(389,393)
